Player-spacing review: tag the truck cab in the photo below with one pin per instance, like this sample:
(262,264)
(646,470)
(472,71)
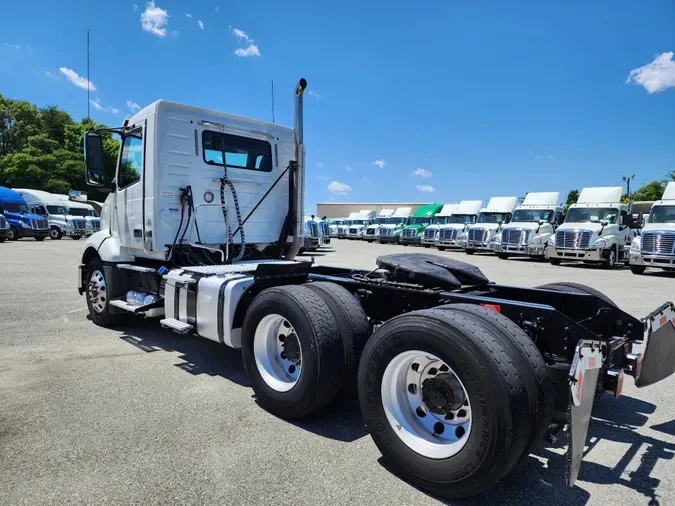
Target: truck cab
(597,229)
(312,238)
(414,231)
(344,228)
(61,222)
(359,224)
(20,220)
(324,231)
(491,219)
(391,230)
(532,225)
(655,246)
(431,232)
(370,233)
(454,232)
(75,203)
(333,226)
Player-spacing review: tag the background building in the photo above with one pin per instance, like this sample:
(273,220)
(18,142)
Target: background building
(343,209)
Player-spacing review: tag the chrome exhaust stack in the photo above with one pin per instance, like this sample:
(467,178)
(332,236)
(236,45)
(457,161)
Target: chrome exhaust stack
(297,228)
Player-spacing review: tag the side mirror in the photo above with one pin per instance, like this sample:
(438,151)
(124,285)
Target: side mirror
(93,158)
(604,223)
(541,222)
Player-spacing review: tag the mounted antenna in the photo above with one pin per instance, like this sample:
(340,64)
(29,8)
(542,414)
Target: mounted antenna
(273,101)
(88,81)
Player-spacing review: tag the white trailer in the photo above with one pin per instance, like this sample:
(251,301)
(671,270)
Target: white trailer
(431,232)
(391,230)
(532,225)
(370,234)
(655,246)
(597,229)
(358,225)
(454,233)
(481,236)
(61,222)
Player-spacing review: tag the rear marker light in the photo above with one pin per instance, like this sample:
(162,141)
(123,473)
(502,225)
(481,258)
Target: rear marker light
(494,307)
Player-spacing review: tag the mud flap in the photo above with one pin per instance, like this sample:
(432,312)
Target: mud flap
(584,372)
(658,359)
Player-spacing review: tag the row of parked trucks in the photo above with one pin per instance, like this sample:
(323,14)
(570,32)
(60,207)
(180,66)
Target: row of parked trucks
(39,214)
(597,229)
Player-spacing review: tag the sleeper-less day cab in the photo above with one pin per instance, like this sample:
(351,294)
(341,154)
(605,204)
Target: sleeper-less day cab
(454,233)
(655,246)
(482,236)
(201,230)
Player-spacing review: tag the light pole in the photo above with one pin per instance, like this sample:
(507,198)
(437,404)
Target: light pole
(627,180)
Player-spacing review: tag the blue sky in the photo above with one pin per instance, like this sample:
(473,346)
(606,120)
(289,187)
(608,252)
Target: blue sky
(469,100)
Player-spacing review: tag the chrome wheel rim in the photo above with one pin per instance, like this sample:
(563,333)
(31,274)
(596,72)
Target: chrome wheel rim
(546,253)
(612,258)
(426,404)
(277,352)
(98,296)
(53,233)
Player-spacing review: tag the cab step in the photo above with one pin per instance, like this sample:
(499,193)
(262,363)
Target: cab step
(176,325)
(137,268)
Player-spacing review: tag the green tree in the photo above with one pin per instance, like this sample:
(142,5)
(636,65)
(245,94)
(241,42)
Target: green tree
(19,120)
(55,122)
(572,198)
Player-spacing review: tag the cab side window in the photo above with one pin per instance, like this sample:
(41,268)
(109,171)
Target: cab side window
(624,218)
(131,162)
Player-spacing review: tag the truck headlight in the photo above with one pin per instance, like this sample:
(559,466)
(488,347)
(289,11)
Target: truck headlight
(23,224)
(497,239)
(551,241)
(537,240)
(599,244)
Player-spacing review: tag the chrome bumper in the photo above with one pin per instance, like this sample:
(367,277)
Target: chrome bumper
(581,255)
(650,260)
(486,246)
(521,249)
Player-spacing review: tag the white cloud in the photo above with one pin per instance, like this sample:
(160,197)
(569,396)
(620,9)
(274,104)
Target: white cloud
(154,19)
(314,94)
(76,79)
(217,8)
(188,15)
(200,23)
(322,177)
(656,76)
(251,50)
(349,169)
(114,111)
(339,188)
(319,164)
(135,7)
(379,163)
(539,157)
(51,74)
(425,188)
(133,105)
(421,172)
(97,104)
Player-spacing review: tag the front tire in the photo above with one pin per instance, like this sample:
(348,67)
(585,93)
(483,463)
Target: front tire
(13,234)
(75,237)
(98,295)
(611,260)
(638,269)
(292,351)
(55,233)
(469,251)
(503,256)
(554,261)
(425,437)
(40,239)
(441,248)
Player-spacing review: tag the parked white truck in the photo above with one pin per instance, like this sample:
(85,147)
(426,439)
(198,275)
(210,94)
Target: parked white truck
(454,233)
(532,225)
(370,234)
(391,231)
(655,246)
(491,219)
(344,227)
(359,224)
(431,232)
(597,229)
(77,206)
(61,222)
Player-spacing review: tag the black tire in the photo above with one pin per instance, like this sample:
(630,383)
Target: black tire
(612,259)
(554,261)
(351,321)
(39,239)
(638,269)
(404,244)
(13,234)
(494,385)
(531,366)
(503,256)
(102,318)
(427,245)
(441,248)
(565,286)
(2,239)
(382,242)
(75,237)
(322,350)
(55,233)
(469,251)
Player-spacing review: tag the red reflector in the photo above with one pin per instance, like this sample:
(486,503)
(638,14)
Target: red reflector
(619,384)
(663,320)
(494,307)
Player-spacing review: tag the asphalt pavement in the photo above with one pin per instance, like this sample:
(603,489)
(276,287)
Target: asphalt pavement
(141,415)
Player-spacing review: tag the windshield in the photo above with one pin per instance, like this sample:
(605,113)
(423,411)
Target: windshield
(56,210)
(92,213)
(397,221)
(381,221)
(420,220)
(40,210)
(15,207)
(359,222)
(662,214)
(440,220)
(466,219)
(535,215)
(591,215)
(494,217)
(74,211)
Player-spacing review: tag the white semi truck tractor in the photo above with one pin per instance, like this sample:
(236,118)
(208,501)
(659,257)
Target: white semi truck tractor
(457,376)
(344,227)
(390,232)
(598,229)
(454,233)
(655,246)
(431,232)
(532,225)
(481,236)
(359,224)
(370,234)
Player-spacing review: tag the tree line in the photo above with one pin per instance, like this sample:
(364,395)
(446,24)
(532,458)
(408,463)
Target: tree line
(41,148)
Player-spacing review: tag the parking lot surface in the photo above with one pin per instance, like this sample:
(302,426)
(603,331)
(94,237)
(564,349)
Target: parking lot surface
(141,415)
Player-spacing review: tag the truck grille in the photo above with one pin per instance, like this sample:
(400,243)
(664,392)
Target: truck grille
(325,228)
(409,232)
(515,236)
(96,224)
(39,224)
(430,233)
(385,232)
(449,234)
(3,222)
(478,234)
(370,231)
(573,239)
(658,242)
(79,224)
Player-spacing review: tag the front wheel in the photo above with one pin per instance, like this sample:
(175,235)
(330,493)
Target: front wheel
(469,251)
(13,234)
(555,261)
(40,239)
(98,295)
(443,422)
(75,237)
(503,256)
(427,245)
(610,262)
(55,233)
(441,248)
(638,269)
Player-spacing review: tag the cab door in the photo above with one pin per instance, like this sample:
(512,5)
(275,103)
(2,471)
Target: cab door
(128,218)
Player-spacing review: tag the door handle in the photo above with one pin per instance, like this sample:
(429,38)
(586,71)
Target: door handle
(138,232)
